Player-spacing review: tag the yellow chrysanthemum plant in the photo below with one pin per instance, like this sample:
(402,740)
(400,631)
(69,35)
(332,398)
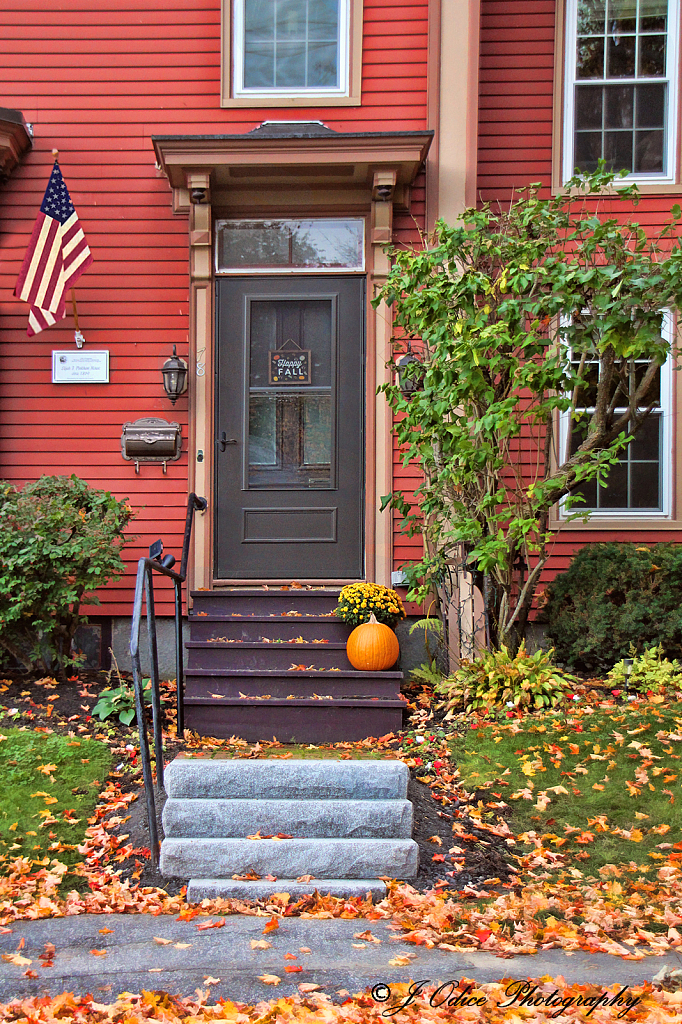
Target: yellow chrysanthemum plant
(358,601)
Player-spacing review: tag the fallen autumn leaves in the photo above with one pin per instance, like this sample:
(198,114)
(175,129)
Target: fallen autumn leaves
(542,901)
(488,1002)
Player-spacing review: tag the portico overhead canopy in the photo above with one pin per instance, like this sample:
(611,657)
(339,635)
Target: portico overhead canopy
(15,140)
(306,163)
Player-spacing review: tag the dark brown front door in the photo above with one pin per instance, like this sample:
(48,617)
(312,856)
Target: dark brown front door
(289,428)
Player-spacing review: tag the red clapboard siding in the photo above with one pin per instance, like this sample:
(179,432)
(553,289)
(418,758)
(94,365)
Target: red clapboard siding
(97,80)
(515,148)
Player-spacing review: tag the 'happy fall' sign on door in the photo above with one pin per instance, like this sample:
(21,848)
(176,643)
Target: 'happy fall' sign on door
(290,366)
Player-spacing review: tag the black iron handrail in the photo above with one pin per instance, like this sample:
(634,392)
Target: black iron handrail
(144,588)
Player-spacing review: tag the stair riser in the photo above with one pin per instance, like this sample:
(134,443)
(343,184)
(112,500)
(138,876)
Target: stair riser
(216,888)
(255,630)
(296,779)
(291,858)
(294,685)
(264,602)
(304,819)
(270,656)
(293,725)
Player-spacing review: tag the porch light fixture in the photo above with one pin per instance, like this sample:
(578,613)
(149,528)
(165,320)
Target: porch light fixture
(174,373)
(408,382)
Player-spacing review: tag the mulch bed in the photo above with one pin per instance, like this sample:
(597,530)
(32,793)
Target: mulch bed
(67,708)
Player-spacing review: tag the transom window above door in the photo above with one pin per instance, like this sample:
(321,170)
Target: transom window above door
(621,87)
(280,246)
(293,50)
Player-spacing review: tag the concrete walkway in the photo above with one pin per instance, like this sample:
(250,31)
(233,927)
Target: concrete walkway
(134,961)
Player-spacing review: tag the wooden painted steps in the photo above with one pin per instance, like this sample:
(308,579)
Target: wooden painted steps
(278,655)
(266,663)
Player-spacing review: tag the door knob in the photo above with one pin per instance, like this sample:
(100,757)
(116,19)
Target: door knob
(225,440)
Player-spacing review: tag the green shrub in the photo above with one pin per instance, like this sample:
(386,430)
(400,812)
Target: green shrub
(59,541)
(648,672)
(614,596)
(498,679)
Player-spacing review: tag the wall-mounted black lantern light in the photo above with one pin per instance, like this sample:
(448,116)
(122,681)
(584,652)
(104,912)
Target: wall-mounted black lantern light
(174,374)
(409,381)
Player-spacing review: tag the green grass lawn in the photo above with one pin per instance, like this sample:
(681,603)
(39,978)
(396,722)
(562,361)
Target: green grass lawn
(50,785)
(602,786)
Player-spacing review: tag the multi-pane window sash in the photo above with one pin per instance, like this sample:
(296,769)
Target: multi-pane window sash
(639,484)
(291,47)
(621,87)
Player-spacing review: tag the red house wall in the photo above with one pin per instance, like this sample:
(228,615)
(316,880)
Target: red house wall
(515,148)
(97,80)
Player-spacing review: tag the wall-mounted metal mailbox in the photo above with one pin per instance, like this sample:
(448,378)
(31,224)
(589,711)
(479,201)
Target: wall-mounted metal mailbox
(151,439)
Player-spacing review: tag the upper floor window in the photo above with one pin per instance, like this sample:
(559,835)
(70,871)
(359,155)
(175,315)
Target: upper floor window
(621,87)
(290,45)
(291,52)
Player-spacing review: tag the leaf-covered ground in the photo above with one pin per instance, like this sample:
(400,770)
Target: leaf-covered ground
(597,785)
(50,786)
(606,888)
(505,1000)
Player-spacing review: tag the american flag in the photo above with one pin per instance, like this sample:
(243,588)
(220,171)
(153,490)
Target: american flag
(56,257)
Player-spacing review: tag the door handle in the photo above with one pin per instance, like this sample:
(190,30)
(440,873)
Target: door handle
(225,440)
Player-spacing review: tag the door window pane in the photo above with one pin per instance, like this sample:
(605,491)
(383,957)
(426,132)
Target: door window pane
(319,244)
(262,431)
(317,430)
(291,416)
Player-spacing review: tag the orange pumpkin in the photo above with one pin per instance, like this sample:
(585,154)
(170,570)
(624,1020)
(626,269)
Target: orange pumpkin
(372,646)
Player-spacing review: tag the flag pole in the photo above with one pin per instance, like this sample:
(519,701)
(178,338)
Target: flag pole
(77,336)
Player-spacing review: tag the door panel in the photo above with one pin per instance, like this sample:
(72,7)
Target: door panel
(290,412)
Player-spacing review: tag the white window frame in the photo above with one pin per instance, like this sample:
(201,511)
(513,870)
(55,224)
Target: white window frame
(666,414)
(343,88)
(668,176)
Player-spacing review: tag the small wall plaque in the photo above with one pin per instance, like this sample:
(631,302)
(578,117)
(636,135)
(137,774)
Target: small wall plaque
(80,366)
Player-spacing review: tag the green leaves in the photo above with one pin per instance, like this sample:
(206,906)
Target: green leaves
(121,701)
(59,541)
(615,596)
(518,314)
(498,679)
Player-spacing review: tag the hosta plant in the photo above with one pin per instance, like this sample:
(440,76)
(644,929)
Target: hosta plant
(649,672)
(499,679)
(120,700)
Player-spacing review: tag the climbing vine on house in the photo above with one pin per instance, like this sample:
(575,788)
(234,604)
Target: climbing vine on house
(522,313)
